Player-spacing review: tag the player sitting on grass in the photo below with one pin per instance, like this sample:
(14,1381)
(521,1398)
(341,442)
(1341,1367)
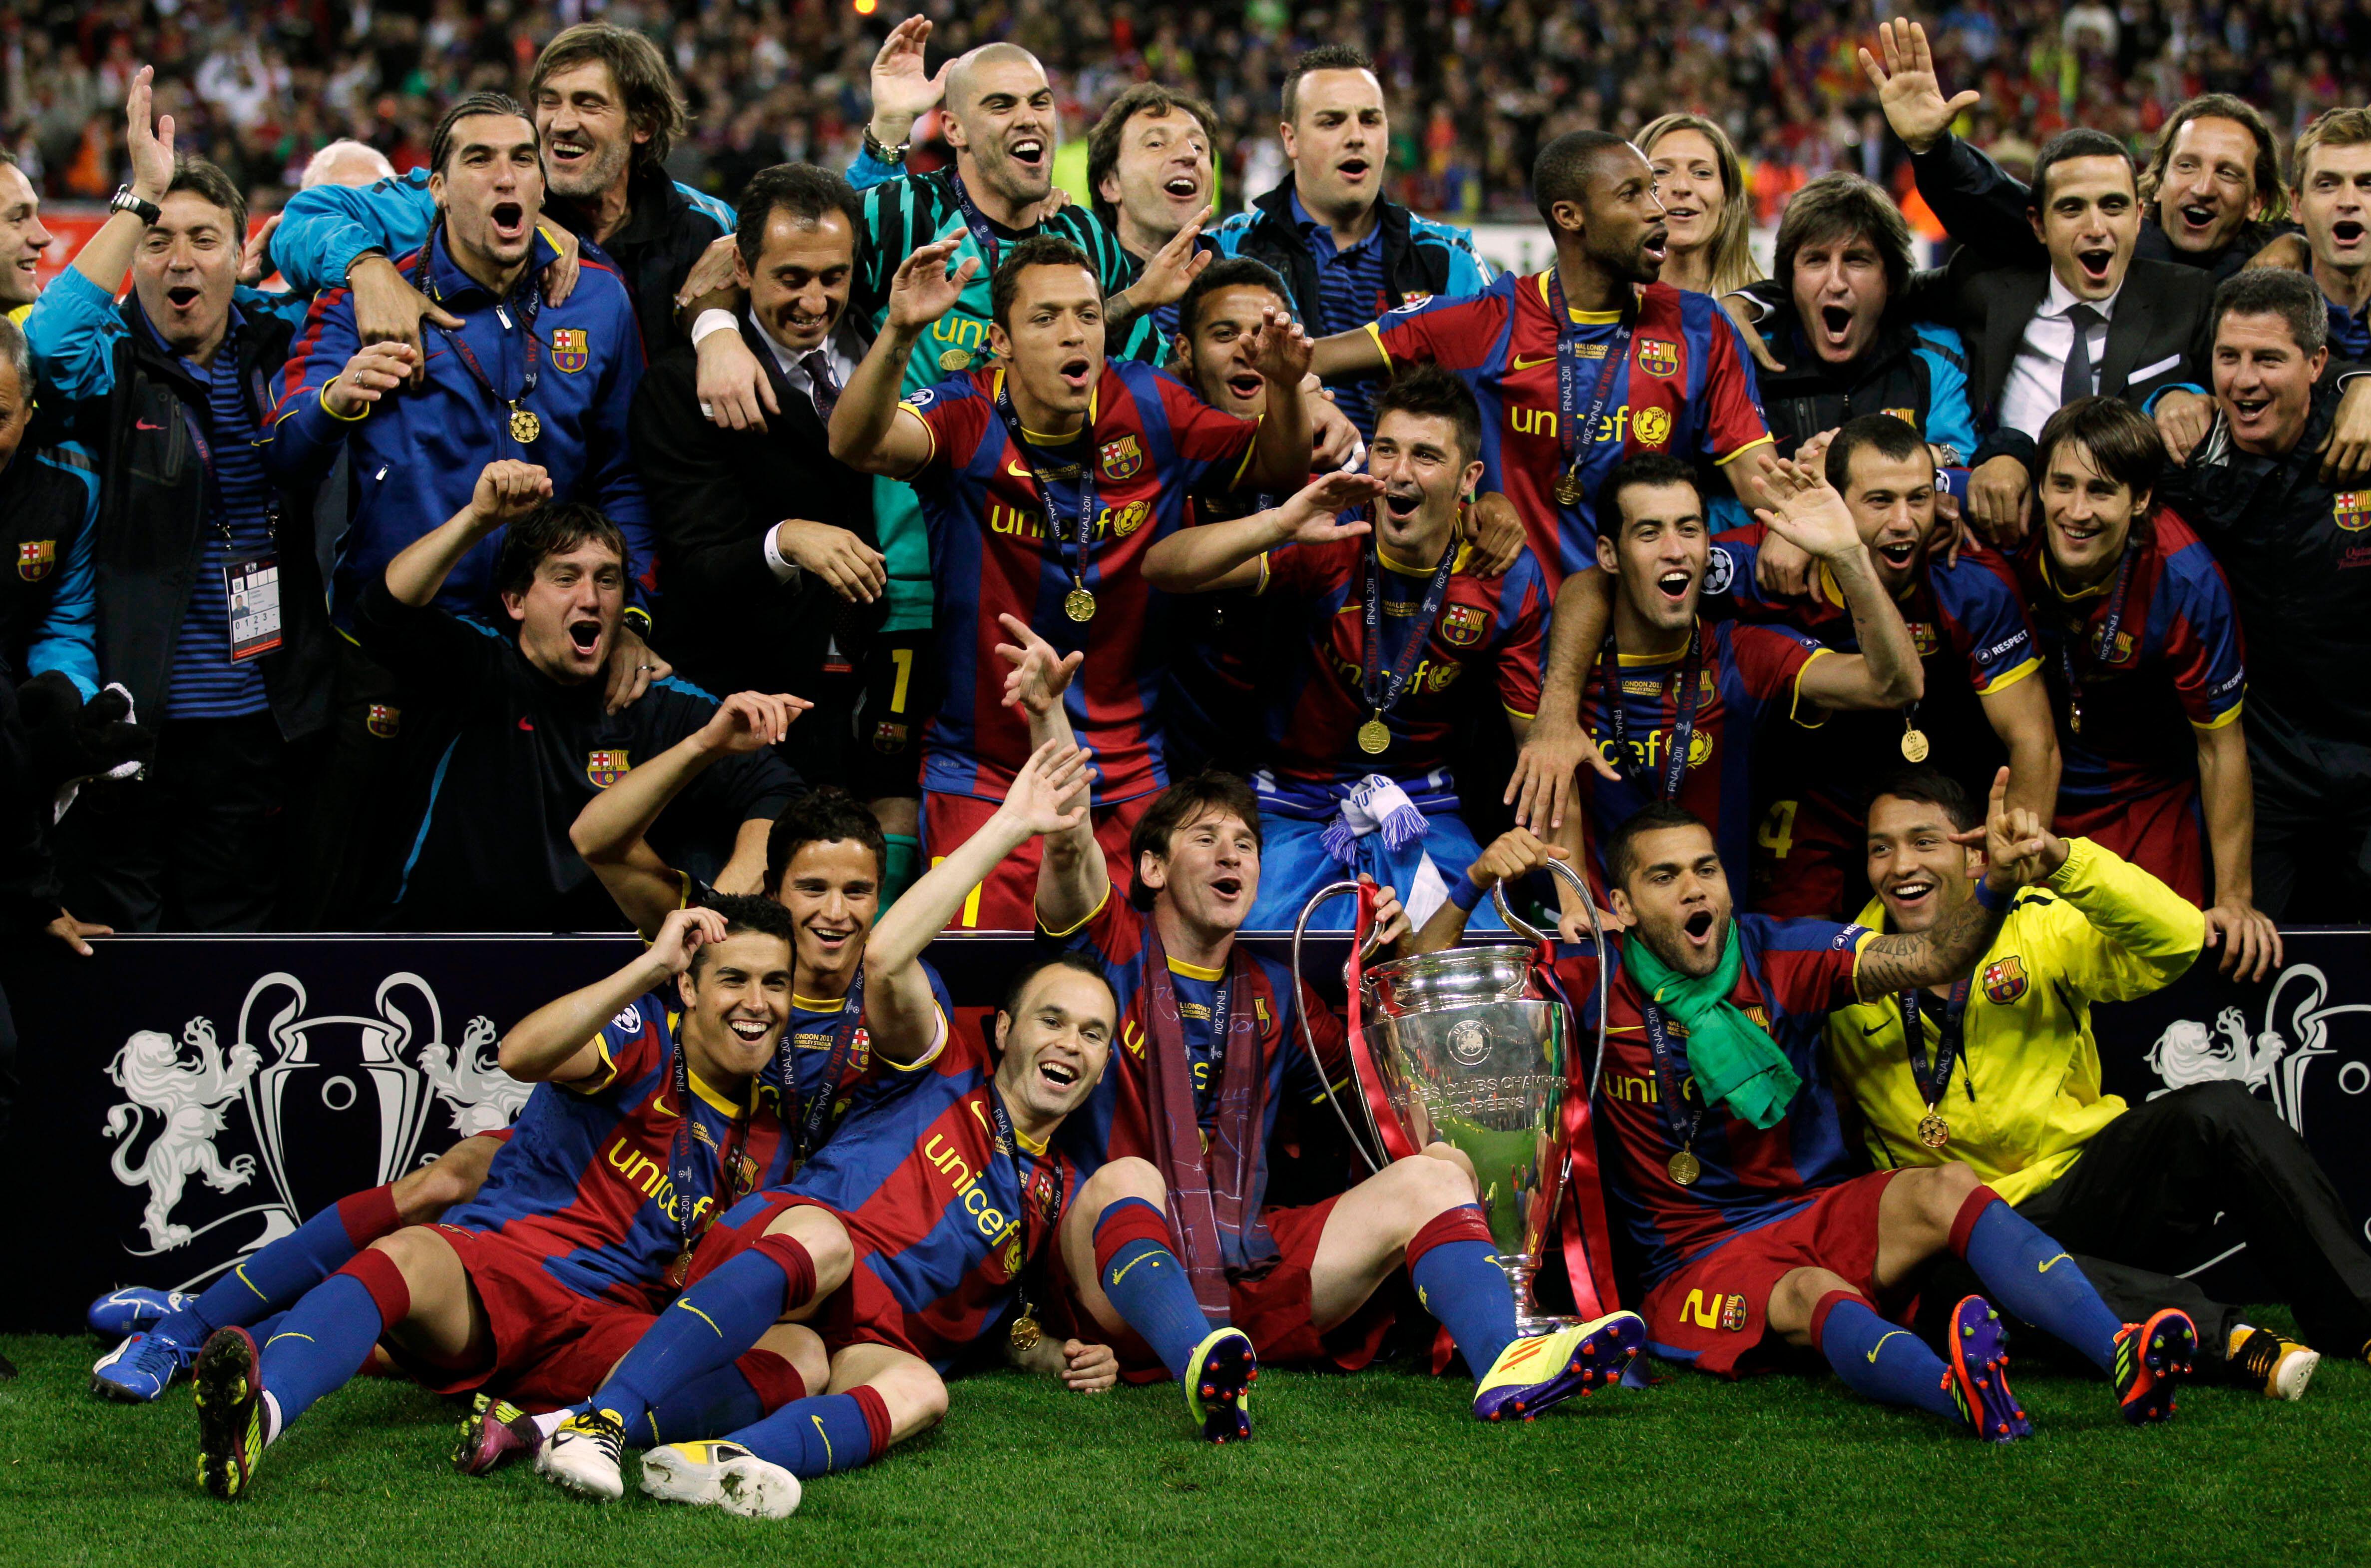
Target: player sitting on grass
(1170,1250)
(1751,1225)
(642,1126)
(899,1245)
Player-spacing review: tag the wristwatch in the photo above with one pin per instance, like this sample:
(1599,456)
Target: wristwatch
(126,201)
(895,155)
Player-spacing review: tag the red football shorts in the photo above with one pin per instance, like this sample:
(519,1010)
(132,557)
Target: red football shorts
(1273,1309)
(1007,901)
(549,1345)
(2163,833)
(1711,1314)
(862,1311)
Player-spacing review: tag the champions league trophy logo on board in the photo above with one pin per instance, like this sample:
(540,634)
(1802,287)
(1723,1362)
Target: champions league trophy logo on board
(330,1104)
(2274,1061)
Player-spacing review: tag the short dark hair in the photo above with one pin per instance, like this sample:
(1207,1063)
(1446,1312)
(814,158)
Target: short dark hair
(554,528)
(1102,141)
(1228,272)
(1430,392)
(1929,786)
(2082,142)
(1181,803)
(1324,57)
(1890,434)
(1561,171)
(2295,297)
(746,912)
(2123,442)
(652,103)
(805,192)
(1038,250)
(1647,468)
(1026,976)
(1622,846)
(440,145)
(2266,171)
(205,179)
(821,817)
(1836,207)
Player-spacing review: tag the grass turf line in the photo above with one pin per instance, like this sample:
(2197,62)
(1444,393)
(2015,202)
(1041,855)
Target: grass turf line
(1385,1467)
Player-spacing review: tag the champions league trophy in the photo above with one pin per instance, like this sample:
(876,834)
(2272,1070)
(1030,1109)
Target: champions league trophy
(1471,1047)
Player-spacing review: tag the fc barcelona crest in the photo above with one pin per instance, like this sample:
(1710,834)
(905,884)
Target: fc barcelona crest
(1462,626)
(570,351)
(1652,426)
(35,558)
(1121,459)
(1733,1314)
(888,736)
(2351,510)
(1907,416)
(2005,980)
(605,767)
(1658,356)
(384,720)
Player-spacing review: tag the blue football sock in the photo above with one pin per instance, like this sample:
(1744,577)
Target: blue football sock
(320,1344)
(1880,1361)
(1452,1262)
(709,1326)
(2027,1275)
(1146,1283)
(707,1406)
(816,1436)
(286,1269)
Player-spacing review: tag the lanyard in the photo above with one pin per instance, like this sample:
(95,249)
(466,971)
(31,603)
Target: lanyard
(523,425)
(1023,1175)
(1221,1035)
(2103,646)
(1659,1044)
(1383,690)
(814,1111)
(982,235)
(1683,709)
(1080,536)
(1933,1079)
(1576,434)
(732,1183)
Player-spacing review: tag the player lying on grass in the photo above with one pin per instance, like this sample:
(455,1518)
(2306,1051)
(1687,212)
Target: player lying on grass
(1733,1175)
(1170,1251)
(643,1125)
(899,1245)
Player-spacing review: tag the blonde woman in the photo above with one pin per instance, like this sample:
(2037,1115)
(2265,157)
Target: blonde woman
(1702,186)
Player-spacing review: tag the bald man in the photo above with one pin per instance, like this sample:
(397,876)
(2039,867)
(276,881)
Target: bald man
(347,162)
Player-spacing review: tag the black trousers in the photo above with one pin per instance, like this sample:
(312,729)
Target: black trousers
(2313,831)
(2145,1194)
(195,845)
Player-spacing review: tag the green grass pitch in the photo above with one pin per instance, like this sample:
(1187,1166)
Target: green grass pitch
(1382,1468)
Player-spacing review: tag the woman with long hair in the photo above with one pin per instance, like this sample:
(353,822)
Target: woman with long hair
(1702,184)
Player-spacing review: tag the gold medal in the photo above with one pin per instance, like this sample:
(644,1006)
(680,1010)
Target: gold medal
(524,426)
(1375,737)
(1933,1131)
(1685,1168)
(1913,744)
(1567,487)
(1025,1333)
(1080,606)
(956,359)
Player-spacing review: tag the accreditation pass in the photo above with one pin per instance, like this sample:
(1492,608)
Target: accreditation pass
(253,588)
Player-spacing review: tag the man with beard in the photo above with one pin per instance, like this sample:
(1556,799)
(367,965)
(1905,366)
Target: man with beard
(1752,1233)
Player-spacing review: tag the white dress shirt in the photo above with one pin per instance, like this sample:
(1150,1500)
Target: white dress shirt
(2031,395)
(841,351)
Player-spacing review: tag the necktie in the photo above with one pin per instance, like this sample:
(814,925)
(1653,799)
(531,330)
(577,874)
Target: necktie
(2077,383)
(825,384)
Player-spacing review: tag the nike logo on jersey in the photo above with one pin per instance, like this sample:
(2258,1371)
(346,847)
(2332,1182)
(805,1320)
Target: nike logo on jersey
(528,725)
(1522,364)
(2045,1268)
(1880,1345)
(143,424)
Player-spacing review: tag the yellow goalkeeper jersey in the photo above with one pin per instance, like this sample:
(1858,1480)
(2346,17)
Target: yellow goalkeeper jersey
(2025,1095)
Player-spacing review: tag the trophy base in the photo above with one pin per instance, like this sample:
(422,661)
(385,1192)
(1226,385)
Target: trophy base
(1530,1320)
(1532,1327)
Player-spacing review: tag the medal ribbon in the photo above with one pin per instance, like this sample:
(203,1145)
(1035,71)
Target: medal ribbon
(681,1172)
(1934,1079)
(530,306)
(1084,535)
(1683,713)
(2104,642)
(1385,696)
(1025,1173)
(982,235)
(1576,434)
(813,1113)
(1658,1045)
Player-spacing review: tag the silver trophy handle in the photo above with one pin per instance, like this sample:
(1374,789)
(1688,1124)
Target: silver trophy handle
(1309,1036)
(1597,935)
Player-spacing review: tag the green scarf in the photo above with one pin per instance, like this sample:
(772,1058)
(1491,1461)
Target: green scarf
(1733,1057)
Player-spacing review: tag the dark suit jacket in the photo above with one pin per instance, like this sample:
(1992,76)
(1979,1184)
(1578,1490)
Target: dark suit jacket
(723,620)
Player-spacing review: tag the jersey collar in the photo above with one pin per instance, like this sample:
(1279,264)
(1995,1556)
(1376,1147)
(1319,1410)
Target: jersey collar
(1056,443)
(1580,317)
(1195,971)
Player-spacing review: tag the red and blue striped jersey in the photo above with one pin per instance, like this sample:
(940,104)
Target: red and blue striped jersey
(1685,387)
(2178,656)
(1746,688)
(1116,1121)
(1150,442)
(1794,973)
(814,1024)
(933,1205)
(1312,712)
(584,1178)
